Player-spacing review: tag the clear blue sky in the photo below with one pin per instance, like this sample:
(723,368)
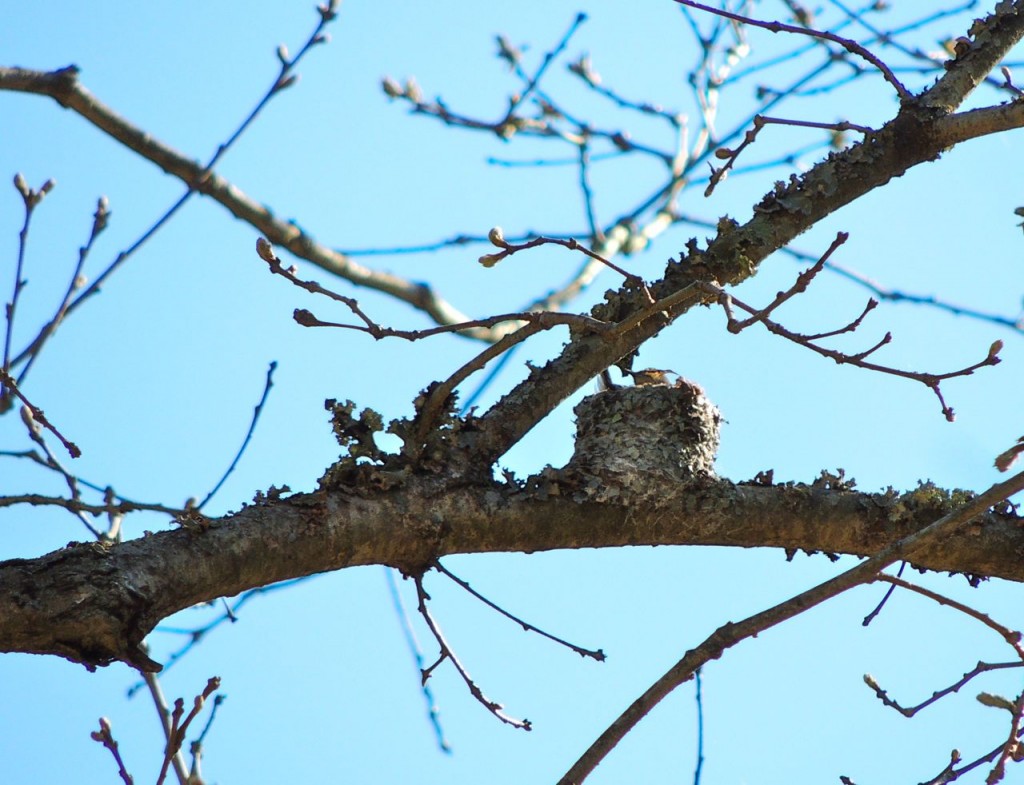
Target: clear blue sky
(156,379)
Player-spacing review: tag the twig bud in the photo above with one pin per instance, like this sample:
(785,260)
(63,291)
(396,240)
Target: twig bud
(288,81)
(497,237)
(491,259)
(391,88)
(996,702)
(265,250)
(305,318)
(412,90)
(30,421)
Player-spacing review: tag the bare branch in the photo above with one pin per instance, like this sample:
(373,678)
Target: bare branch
(105,737)
(778,27)
(730,634)
(34,417)
(448,654)
(248,435)
(596,655)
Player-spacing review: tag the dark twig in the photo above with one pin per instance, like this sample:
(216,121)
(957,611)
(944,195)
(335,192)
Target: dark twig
(308,319)
(100,219)
(508,249)
(112,507)
(34,416)
(885,598)
(456,241)
(950,773)
(409,634)
(596,655)
(700,726)
(106,738)
(446,653)
(31,198)
(439,394)
(248,435)
(930,380)
(778,27)
(729,155)
(596,234)
(549,58)
(910,711)
(803,280)
(1012,637)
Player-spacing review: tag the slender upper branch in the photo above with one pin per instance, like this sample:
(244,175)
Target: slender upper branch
(920,132)
(65,88)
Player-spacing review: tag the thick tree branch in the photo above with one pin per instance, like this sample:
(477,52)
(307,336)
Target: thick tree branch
(94,604)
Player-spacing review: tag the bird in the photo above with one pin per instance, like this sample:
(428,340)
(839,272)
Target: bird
(649,376)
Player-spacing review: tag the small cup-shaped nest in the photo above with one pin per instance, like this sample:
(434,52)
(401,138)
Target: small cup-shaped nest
(636,437)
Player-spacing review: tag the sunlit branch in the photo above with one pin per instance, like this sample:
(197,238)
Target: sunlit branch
(731,633)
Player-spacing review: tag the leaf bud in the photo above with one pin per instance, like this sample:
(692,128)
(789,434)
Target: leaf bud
(497,237)
(265,250)
(391,88)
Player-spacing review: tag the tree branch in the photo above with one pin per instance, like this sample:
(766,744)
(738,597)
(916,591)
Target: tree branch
(95,603)
(918,133)
(64,87)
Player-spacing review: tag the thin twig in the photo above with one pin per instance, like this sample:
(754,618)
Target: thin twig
(700,726)
(160,702)
(100,219)
(596,655)
(409,634)
(248,435)
(778,27)
(36,415)
(1012,637)
(30,199)
(446,653)
(930,380)
(910,711)
(549,58)
(105,737)
(179,727)
(885,598)
(730,155)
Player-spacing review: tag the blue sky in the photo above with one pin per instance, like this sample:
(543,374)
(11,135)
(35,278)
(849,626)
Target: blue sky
(156,379)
